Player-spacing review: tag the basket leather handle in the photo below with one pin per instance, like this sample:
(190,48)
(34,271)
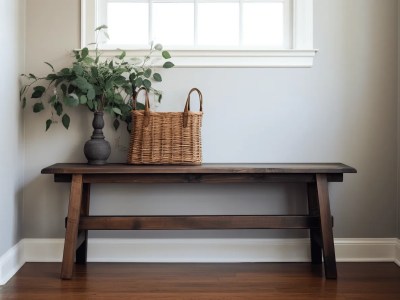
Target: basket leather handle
(187,105)
(146,105)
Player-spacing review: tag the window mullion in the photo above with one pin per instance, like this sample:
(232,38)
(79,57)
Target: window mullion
(288,24)
(240,22)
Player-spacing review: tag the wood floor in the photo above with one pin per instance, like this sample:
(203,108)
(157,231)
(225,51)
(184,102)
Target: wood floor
(205,281)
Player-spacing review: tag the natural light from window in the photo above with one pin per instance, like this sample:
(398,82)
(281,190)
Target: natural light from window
(200,23)
(206,33)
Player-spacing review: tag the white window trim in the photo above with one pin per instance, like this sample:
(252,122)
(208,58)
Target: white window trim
(301,55)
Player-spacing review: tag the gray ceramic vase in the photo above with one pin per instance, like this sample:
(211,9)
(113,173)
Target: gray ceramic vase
(97,149)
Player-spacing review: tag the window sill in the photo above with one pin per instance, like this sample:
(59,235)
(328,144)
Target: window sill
(232,58)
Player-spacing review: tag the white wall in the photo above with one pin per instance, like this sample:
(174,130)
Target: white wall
(344,109)
(11,127)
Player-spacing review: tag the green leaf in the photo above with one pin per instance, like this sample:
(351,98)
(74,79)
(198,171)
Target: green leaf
(117,110)
(83,99)
(116,124)
(71,101)
(77,69)
(138,82)
(71,89)
(168,65)
(158,47)
(50,65)
(24,102)
(147,73)
(109,84)
(51,77)
(120,80)
(132,77)
(66,120)
(64,72)
(38,91)
(166,54)
(118,99)
(109,110)
(32,76)
(82,84)
(125,109)
(101,27)
(95,71)
(39,88)
(48,123)
(77,55)
(122,55)
(157,77)
(127,87)
(106,35)
(90,104)
(159,98)
(139,106)
(64,88)
(91,94)
(36,94)
(22,90)
(84,52)
(59,108)
(147,83)
(37,107)
(88,60)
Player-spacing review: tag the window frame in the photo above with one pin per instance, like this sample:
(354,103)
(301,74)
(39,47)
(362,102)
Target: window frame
(301,53)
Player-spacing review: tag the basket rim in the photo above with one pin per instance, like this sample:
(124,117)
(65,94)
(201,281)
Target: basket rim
(141,112)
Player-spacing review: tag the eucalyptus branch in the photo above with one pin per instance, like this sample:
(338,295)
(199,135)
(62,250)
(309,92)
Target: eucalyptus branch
(100,85)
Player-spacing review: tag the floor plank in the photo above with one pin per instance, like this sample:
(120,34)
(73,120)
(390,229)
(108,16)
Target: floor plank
(204,281)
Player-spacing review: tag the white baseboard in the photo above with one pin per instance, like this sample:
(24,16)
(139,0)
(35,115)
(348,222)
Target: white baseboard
(11,262)
(197,250)
(365,250)
(397,253)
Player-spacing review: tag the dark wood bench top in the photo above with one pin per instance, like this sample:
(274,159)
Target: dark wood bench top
(257,168)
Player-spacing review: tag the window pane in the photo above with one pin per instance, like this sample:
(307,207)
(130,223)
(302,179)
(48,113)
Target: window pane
(263,24)
(218,24)
(128,23)
(173,23)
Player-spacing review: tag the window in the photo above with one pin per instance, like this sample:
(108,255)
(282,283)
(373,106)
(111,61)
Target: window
(243,33)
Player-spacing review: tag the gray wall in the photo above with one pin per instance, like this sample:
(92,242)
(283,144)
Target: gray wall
(398,122)
(343,109)
(11,128)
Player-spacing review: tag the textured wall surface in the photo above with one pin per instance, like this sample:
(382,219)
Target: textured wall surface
(11,127)
(343,109)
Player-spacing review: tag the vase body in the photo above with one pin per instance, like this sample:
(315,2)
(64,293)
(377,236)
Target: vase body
(97,149)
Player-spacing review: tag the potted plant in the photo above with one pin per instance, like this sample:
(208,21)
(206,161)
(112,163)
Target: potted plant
(103,85)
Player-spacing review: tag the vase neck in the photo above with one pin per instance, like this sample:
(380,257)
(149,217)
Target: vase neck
(98,125)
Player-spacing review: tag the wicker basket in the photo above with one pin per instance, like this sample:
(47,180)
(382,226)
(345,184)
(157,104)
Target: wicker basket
(166,137)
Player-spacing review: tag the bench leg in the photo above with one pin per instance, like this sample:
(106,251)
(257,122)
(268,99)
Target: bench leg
(71,232)
(81,252)
(326,227)
(315,233)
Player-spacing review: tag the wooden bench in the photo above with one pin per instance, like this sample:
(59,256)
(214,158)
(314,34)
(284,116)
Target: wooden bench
(315,175)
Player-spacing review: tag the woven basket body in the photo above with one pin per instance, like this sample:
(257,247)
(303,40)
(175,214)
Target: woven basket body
(166,137)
